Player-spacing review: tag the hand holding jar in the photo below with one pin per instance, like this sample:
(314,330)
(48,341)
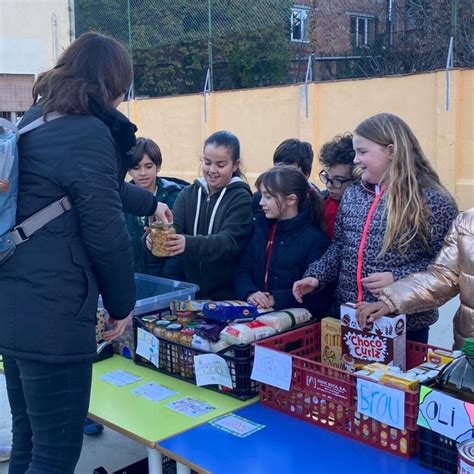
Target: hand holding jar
(175,244)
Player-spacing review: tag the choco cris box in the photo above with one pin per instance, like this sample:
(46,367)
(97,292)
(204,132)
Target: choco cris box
(382,341)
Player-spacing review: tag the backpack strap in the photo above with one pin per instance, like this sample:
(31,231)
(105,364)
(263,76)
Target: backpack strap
(38,122)
(22,232)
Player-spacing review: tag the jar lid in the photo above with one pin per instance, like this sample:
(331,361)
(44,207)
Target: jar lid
(468,347)
(170,317)
(162,324)
(149,319)
(174,327)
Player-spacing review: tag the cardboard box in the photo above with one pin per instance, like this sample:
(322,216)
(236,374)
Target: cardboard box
(383,341)
(331,348)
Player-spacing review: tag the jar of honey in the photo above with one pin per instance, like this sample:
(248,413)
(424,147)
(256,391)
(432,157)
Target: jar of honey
(159,235)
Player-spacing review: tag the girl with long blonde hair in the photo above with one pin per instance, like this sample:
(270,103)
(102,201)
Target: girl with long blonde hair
(390,224)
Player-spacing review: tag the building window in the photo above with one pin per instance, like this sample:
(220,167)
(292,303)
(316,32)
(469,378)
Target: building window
(362,31)
(299,26)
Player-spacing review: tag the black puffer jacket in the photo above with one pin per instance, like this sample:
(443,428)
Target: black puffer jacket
(49,288)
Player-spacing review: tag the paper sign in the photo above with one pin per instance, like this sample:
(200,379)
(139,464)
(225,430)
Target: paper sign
(211,369)
(154,392)
(383,403)
(148,346)
(445,415)
(236,425)
(120,378)
(272,367)
(190,407)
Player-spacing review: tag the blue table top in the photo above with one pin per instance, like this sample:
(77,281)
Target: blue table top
(285,446)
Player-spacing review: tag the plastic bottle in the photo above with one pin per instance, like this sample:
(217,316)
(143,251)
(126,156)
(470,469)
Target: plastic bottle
(457,378)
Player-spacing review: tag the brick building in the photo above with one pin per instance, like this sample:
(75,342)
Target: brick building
(340,32)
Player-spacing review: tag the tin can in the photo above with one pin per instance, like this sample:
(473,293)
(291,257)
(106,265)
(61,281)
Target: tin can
(466,457)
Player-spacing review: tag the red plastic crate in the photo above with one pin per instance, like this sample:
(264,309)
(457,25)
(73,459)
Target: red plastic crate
(327,397)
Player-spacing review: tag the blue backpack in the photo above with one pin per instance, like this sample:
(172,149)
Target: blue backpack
(11,235)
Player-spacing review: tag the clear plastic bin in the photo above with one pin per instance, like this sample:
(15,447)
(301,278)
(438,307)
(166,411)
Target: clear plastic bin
(156,293)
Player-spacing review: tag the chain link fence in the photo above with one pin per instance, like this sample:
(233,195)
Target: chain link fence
(252,43)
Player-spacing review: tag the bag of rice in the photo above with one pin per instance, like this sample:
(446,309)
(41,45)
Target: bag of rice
(246,333)
(285,319)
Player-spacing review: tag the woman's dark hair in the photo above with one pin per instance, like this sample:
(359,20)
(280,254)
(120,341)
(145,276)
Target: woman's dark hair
(229,140)
(295,152)
(94,68)
(283,180)
(338,151)
(145,146)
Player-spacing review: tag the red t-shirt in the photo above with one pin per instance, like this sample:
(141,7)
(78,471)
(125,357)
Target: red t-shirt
(330,212)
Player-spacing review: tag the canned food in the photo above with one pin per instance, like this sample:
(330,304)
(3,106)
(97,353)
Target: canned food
(466,457)
(159,235)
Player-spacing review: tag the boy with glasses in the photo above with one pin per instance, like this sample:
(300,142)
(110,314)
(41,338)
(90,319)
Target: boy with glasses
(337,160)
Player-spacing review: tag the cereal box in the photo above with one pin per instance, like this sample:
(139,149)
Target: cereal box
(382,341)
(331,350)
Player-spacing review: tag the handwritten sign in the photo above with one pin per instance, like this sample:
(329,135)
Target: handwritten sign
(445,415)
(272,367)
(190,407)
(211,369)
(382,403)
(236,425)
(148,346)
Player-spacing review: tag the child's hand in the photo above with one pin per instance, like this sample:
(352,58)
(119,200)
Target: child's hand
(369,312)
(261,300)
(303,287)
(148,239)
(175,244)
(377,281)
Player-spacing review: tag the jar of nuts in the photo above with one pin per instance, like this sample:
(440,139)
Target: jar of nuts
(159,234)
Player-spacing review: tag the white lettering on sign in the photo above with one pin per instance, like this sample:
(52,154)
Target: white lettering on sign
(385,404)
(370,347)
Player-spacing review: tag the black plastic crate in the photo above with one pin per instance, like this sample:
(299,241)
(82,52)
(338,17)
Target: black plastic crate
(437,451)
(177,361)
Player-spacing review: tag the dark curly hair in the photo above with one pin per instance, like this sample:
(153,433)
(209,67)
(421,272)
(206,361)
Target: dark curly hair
(338,151)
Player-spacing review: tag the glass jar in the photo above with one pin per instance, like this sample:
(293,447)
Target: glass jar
(159,235)
(159,328)
(149,322)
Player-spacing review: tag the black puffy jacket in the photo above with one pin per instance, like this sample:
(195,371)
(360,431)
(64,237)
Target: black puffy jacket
(49,288)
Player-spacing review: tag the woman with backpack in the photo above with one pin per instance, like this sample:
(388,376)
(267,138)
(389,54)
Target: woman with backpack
(49,287)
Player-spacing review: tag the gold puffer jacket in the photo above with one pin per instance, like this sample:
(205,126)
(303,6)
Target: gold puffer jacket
(451,273)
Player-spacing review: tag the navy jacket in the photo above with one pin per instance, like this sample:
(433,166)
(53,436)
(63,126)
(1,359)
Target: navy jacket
(50,286)
(297,243)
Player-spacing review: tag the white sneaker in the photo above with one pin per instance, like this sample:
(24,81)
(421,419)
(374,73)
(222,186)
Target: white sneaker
(5,451)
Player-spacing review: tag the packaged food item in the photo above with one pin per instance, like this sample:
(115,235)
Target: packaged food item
(159,327)
(382,341)
(246,333)
(376,366)
(331,348)
(149,322)
(407,381)
(285,319)
(466,457)
(222,311)
(172,332)
(186,356)
(159,235)
(457,378)
(185,317)
(440,356)
(201,343)
(190,305)
(100,325)
(218,346)
(209,331)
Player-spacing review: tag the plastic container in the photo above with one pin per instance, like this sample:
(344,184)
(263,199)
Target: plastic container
(327,396)
(437,451)
(457,378)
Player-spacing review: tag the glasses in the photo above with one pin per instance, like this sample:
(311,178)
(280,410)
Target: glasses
(337,183)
